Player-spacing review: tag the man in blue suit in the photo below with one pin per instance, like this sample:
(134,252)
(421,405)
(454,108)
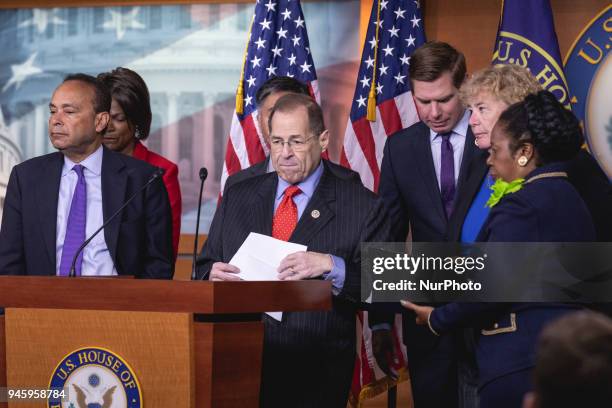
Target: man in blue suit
(54,202)
(424,174)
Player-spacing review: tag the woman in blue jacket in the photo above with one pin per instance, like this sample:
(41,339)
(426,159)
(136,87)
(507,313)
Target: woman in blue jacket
(529,145)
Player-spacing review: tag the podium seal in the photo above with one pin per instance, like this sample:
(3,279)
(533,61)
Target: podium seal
(95,377)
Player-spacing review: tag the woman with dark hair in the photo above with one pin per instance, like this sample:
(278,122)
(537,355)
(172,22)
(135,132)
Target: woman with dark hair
(534,202)
(130,122)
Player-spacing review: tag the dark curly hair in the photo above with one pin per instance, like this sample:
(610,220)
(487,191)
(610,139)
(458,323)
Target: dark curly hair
(543,122)
(131,93)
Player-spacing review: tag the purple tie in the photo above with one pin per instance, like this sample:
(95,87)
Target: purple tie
(447,174)
(75,230)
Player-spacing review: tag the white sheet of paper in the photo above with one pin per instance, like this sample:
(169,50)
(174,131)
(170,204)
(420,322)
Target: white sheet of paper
(259,256)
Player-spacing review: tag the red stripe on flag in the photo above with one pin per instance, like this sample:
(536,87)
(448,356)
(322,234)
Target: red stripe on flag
(311,91)
(251,139)
(231,160)
(363,131)
(390,116)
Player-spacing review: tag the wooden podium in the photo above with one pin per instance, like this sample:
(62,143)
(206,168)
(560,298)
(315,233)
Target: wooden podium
(189,344)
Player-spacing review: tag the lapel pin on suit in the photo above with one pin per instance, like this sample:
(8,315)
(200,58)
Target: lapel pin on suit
(315,214)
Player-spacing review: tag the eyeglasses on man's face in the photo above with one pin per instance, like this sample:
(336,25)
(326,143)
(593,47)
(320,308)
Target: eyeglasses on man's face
(297,145)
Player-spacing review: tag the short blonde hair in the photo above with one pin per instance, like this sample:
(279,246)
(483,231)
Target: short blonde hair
(509,83)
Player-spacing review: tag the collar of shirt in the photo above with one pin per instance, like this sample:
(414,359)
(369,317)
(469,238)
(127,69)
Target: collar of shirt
(93,163)
(460,128)
(307,186)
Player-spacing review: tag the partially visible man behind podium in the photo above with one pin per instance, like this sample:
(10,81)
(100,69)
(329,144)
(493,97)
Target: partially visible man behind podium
(56,201)
(308,357)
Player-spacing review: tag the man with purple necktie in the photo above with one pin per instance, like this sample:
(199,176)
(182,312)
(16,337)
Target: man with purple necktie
(56,201)
(423,173)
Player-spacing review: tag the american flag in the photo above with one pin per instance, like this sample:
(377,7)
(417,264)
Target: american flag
(399,28)
(382,105)
(278,45)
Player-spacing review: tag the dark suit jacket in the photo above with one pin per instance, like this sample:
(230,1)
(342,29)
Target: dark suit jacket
(309,356)
(546,210)
(139,239)
(262,167)
(410,191)
(255,170)
(409,187)
(595,189)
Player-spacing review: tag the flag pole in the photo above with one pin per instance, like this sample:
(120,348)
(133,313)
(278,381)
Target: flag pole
(371,116)
(240,90)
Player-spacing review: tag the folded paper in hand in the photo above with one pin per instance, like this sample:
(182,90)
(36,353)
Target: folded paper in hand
(259,256)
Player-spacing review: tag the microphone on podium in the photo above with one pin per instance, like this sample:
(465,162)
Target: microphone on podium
(156,175)
(203,176)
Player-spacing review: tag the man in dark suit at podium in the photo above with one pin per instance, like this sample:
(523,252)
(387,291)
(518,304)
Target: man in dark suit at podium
(308,356)
(56,201)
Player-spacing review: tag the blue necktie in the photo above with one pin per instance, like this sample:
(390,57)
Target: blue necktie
(447,174)
(75,229)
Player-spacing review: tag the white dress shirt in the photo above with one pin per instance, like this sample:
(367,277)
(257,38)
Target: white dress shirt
(96,257)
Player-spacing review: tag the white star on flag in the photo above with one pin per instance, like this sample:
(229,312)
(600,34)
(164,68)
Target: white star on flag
(373,42)
(365,82)
(260,43)
(399,13)
(21,72)
(369,62)
(305,67)
(41,18)
(265,25)
(393,31)
(271,6)
(399,78)
(361,101)
(388,50)
(383,69)
(123,22)
(296,40)
(292,59)
(271,70)
(379,88)
(276,51)
(255,61)
(286,14)
(415,21)
(410,40)
(282,33)
(299,22)
(251,81)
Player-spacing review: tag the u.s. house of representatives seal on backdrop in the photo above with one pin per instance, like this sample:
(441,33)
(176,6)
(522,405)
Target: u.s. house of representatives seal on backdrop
(95,378)
(588,69)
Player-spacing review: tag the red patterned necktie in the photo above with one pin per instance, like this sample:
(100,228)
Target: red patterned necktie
(286,216)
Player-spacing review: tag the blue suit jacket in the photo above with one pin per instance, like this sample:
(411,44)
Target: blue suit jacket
(139,240)
(545,210)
